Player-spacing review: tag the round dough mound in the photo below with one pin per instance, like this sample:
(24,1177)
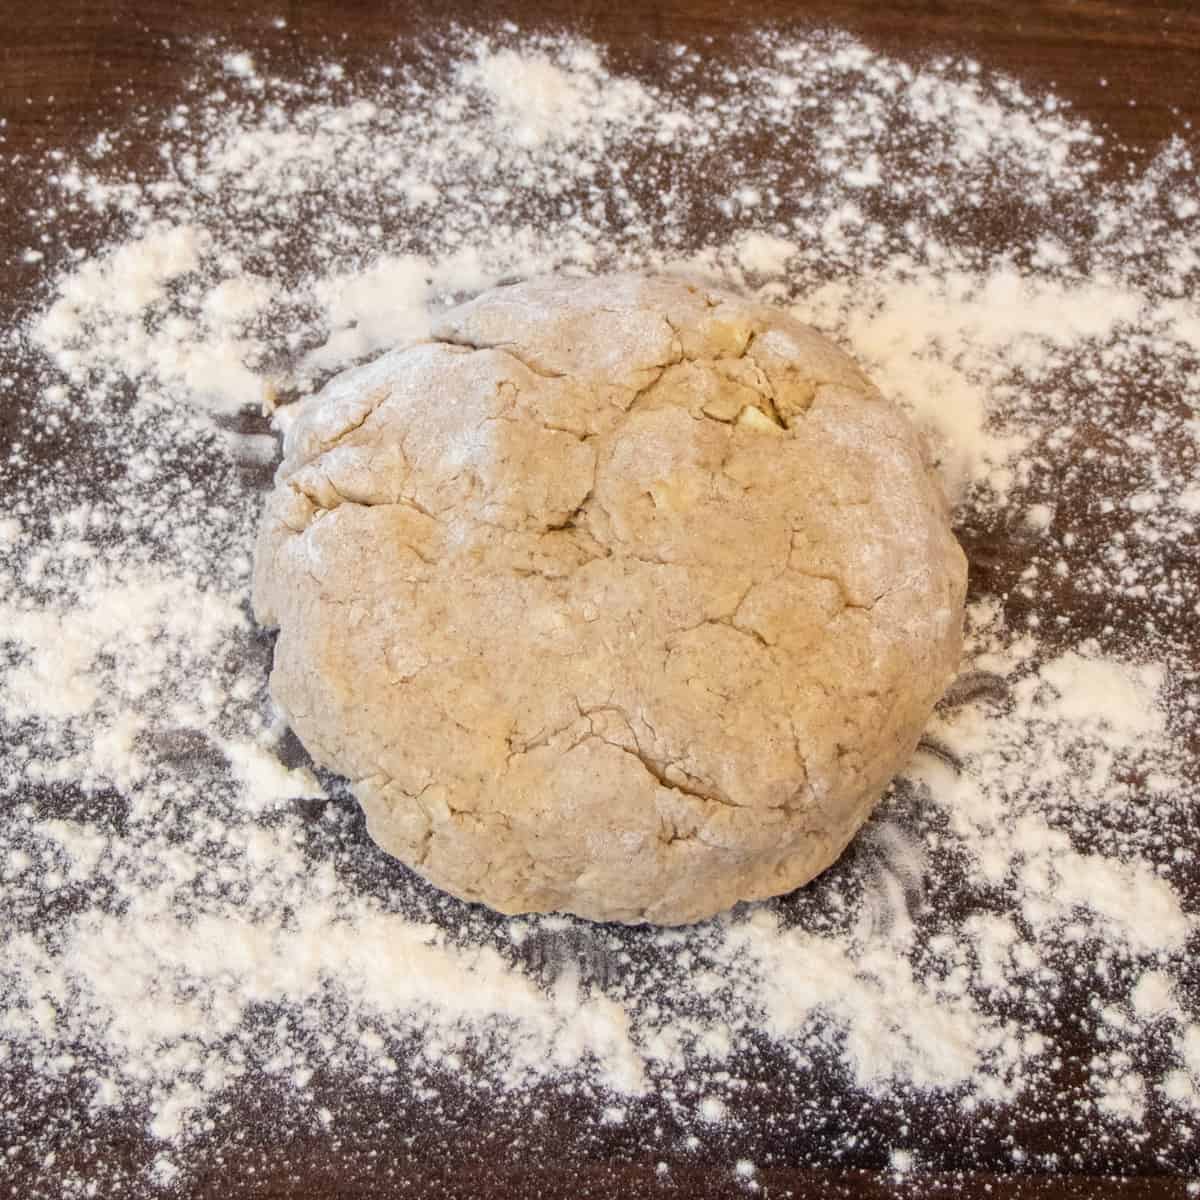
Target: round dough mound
(622,596)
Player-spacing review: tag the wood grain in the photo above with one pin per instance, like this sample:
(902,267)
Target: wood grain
(64,66)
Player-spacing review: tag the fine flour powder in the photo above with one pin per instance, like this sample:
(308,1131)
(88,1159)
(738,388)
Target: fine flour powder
(194,915)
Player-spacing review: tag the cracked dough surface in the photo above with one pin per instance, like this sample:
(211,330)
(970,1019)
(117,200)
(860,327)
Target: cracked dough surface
(623,597)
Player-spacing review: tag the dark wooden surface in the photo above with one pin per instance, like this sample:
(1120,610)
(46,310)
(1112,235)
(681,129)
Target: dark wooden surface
(69,68)
(66,65)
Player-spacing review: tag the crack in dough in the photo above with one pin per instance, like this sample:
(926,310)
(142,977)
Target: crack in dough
(625,597)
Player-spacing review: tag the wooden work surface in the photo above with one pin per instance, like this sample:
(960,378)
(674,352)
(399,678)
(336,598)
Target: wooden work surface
(69,68)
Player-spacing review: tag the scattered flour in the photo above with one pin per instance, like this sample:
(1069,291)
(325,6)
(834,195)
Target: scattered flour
(194,915)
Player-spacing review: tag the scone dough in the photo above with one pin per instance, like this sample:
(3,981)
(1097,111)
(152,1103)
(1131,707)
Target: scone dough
(622,596)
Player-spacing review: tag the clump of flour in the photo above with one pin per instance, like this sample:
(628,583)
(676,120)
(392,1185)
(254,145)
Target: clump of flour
(193,914)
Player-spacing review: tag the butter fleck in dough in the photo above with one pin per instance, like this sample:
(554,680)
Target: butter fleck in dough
(623,597)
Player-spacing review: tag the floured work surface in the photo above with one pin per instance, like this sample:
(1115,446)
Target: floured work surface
(214,983)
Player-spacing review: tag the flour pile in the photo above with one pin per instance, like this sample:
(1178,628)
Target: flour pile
(194,917)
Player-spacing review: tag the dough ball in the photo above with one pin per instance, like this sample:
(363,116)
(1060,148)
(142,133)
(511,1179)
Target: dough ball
(623,597)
